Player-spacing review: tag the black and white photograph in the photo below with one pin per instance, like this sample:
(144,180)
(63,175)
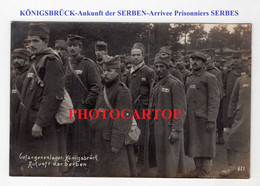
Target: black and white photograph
(130,92)
(121,99)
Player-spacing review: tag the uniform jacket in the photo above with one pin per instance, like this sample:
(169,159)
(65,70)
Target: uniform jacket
(168,93)
(202,95)
(139,83)
(110,132)
(79,134)
(239,108)
(16,85)
(218,75)
(42,103)
(229,82)
(88,72)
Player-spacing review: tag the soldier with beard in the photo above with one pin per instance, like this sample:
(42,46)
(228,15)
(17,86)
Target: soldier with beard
(20,64)
(166,52)
(203,97)
(168,93)
(110,133)
(62,49)
(101,54)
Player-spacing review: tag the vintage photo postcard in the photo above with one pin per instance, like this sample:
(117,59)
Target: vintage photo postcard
(139,100)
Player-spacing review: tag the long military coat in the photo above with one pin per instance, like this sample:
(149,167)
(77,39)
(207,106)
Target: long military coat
(79,135)
(239,107)
(213,70)
(139,83)
(110,132)
(228,83)
(202,95)
(169,93)
(42,103)
(16,85)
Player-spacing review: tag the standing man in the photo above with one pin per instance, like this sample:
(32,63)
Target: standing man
(165,51)
(128,62)
(181,66)
(217,73)
(203,96)
(230,77)
(168,93)
(62,49)
(139,81)
(110,133)
(101,54)
(124,70)
(239,110)
(41,100)
(20,64)
(83,84)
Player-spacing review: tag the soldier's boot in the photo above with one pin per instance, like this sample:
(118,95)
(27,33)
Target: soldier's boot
(228,171)
(220,140)
(195,173)
(206,168)
(198,163)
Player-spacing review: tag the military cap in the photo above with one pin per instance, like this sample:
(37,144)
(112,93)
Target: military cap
(199,55)
(22,53)
(139,46)
(61,43)
(75,39)
(112,62)
(38,29)
(166,50)
(161,59)
(101,45)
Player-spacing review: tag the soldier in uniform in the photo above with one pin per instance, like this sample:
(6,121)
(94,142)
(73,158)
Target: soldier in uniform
(203,97)
(239,110)
(219,63)
(139,81)
(20,64)
(101,54)
(165,51)
(124,70)
(187,62)
(217,73)
(42,93)
(128,62)
(83,83)
(183,70)
(62,49)
(230,77)
(168,93)
(110,133)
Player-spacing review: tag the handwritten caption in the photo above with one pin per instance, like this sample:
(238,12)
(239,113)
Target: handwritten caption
(57,161)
